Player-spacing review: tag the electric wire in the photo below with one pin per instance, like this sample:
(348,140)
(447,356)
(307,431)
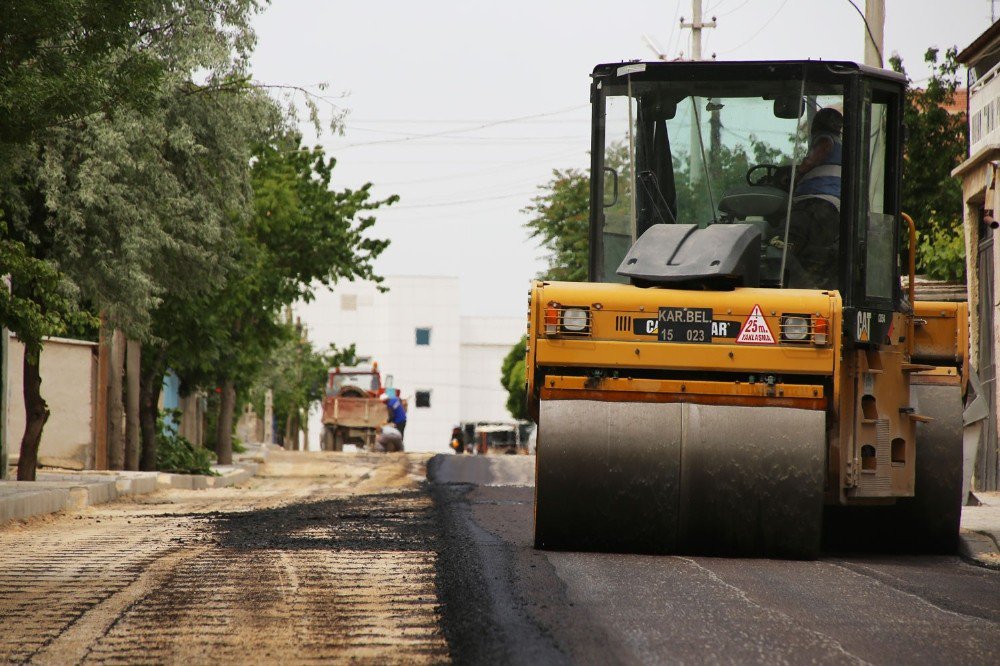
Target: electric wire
(759,30)
(868,29)
(463,202)
(734,9)
(443,133)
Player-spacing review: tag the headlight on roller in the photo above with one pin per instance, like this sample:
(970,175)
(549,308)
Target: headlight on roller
(575,320)
(795,328)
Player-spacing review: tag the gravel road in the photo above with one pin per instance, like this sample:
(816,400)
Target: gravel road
(328,557)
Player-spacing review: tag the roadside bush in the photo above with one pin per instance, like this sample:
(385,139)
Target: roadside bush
(175,453)
(941,253)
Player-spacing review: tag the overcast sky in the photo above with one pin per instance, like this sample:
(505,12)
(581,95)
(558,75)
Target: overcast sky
(503,87)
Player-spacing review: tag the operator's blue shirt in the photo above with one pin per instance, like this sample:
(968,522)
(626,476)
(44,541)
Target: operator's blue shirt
(395,406)
(823,180)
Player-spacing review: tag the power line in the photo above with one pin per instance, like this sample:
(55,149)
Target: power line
(460,121)
(464,202)
(466,129)
(868,28)
(734,9)
(477,172)
(761,29)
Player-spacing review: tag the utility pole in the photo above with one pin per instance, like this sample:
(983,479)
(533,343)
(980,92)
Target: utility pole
(696,25)
(874,32)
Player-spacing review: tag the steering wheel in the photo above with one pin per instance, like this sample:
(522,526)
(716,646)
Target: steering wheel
(768,177)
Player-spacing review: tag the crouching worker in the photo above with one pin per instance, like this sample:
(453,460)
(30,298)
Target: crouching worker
(457,442)
(389,438)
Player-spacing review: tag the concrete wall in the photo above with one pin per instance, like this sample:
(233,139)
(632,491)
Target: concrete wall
(69,376)
(485,343)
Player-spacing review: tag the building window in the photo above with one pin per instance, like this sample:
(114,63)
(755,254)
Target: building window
(423,336)
(423,398)
(348,301)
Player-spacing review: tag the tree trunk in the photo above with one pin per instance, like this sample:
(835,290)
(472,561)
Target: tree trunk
(149,408)
(224,429)
(132,379)
(292,431)
(116,406)
(305,430)
(36,413)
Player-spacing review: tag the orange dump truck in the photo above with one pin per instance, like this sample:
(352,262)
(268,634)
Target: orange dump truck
(353,407)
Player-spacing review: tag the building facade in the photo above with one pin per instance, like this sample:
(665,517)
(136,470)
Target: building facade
(414,331)
(979,175)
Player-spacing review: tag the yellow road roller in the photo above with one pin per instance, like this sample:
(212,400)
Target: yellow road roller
(746,364)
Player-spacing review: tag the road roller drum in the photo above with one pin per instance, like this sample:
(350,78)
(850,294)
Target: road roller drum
(679,478)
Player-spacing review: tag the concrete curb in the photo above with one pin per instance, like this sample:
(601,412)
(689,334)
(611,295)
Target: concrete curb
(20,503)
(59,491)
(980,549)
(229,475)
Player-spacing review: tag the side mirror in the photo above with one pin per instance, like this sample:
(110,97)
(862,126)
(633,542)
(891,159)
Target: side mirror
(614,189)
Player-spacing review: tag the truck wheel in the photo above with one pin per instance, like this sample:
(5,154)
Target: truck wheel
(327,442)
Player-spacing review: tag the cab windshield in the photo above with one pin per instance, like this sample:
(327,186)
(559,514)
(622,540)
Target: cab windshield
(708,152)
(364,380)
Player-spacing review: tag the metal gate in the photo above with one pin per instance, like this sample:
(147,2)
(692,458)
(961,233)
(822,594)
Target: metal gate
(988,462)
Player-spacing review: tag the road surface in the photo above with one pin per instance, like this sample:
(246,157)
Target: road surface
(585,608)
(343,557)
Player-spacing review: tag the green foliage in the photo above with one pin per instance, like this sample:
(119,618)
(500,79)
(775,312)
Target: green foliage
(297,374)
(175,453)
(941,251)
(301,234)
(560,223)
(103,173)
(514,379)
(64,60)
(936,144)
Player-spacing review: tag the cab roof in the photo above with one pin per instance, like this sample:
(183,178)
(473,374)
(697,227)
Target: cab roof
(814,68)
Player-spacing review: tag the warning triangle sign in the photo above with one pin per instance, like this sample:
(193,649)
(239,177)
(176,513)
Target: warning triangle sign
(755,330)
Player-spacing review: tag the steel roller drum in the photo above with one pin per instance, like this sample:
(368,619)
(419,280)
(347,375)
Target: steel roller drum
(679,478)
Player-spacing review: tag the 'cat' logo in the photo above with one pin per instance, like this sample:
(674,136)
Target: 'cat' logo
(864,332)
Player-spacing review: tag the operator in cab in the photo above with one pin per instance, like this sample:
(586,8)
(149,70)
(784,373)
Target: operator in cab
(814,228)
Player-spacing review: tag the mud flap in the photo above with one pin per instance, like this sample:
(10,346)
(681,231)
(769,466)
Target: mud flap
(929,521)
(679,478)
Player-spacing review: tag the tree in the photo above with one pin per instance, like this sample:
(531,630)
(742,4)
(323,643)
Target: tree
(66,60)
(936,144)
(302,234)
(560,223)
(514,379)
(86,193)
(297,374)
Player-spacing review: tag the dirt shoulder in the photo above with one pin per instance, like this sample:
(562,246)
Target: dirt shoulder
(327,557)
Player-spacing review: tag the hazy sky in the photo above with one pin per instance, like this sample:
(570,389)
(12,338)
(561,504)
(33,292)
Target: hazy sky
(503,89)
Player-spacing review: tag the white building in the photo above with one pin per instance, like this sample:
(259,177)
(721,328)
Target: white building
(485,341)
(445,365)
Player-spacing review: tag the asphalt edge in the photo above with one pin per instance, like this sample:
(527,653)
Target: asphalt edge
(980,549)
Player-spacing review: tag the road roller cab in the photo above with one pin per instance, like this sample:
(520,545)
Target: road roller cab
(744,362)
